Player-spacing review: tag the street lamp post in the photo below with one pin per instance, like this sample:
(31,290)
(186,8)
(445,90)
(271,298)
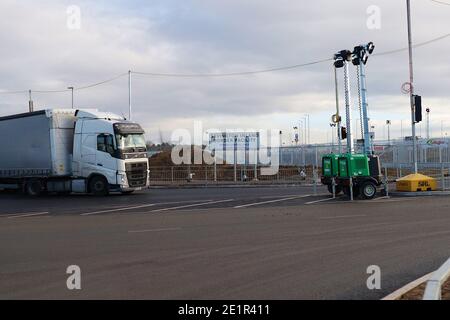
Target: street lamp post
(71,88)
(411,85)
(30,102)
(388,123)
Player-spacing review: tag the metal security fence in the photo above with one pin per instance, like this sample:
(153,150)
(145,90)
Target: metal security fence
(242,174)
(302,164)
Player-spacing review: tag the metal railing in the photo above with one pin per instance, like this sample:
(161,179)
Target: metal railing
(433,290)
(215,174)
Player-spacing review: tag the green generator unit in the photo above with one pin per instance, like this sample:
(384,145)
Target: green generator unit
(330,165)
(330,169)
(364,171)
(353,165)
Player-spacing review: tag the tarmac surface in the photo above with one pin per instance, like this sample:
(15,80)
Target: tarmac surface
(281,242)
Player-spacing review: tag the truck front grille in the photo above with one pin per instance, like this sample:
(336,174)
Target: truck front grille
(136,174)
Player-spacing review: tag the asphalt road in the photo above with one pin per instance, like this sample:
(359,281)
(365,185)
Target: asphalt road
(218,243)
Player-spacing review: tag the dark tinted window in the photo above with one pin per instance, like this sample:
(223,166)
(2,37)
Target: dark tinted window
(105,143)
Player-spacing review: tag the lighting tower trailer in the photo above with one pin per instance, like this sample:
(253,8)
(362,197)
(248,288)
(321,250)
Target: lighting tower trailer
(356,174)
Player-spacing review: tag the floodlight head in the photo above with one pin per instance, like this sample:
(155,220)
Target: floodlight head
(355,60)
(370,47)
(346,54)
(364,57)
(339,62)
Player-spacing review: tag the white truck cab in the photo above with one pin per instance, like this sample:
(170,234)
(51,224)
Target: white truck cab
(107,145)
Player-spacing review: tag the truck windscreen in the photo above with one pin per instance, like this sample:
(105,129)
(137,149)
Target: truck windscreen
(131,140)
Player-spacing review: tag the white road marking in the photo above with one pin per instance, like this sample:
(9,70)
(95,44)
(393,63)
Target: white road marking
(23,215)
(321,200)
(271,201)
(339,217)
(192,205)
(381,198)
(118,209)
(154,230)
(135,207)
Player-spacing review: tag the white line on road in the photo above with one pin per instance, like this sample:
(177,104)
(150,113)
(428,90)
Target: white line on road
(321,200)
(271,201)
(347,216)
(135,207)
(23,215)
(154,230)
(118,209)
(192,205)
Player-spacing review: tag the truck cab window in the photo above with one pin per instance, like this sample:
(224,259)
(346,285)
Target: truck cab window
(105,143)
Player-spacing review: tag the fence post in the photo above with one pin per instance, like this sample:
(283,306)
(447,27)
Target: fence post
(215,169)
(351,189)
(171,173)
(442,177)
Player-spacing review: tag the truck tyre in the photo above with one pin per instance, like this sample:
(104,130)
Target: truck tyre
(337,189)
(368,190)
(98,186)
(34,187)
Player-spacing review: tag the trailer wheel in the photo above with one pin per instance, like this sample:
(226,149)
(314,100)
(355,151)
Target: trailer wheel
(368,190)
(346,190)
(33,187)
(337,189)
(98,186)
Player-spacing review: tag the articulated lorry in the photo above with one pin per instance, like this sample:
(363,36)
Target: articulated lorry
(66,150)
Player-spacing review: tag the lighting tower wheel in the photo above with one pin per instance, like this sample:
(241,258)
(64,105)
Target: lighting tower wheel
(368,190)
(356,190)
(337,189)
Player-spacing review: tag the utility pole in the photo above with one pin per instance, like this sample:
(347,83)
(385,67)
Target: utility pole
(411,85)
(428,123)
(129,95)
(309,129)
(71,88)
(388,123)
(30,102)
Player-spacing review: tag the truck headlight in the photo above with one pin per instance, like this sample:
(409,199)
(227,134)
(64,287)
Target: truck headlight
(122,178)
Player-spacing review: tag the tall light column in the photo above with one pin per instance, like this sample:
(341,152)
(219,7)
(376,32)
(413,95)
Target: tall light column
(411,85)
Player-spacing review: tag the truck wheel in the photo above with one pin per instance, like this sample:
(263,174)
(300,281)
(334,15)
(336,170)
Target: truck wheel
(368,190)
(98,186)
(337,189)
(33,187)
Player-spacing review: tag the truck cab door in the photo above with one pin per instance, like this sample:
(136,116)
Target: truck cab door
(105,162)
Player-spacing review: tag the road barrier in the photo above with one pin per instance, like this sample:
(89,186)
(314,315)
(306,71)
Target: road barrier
(433,290)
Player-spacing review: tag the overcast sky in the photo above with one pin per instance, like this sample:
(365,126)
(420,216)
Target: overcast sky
(39,51)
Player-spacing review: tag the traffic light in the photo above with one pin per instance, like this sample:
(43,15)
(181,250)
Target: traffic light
(343,133)
(417,108)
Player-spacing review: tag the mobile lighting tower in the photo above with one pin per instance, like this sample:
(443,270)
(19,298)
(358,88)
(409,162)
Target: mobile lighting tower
(357,174)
